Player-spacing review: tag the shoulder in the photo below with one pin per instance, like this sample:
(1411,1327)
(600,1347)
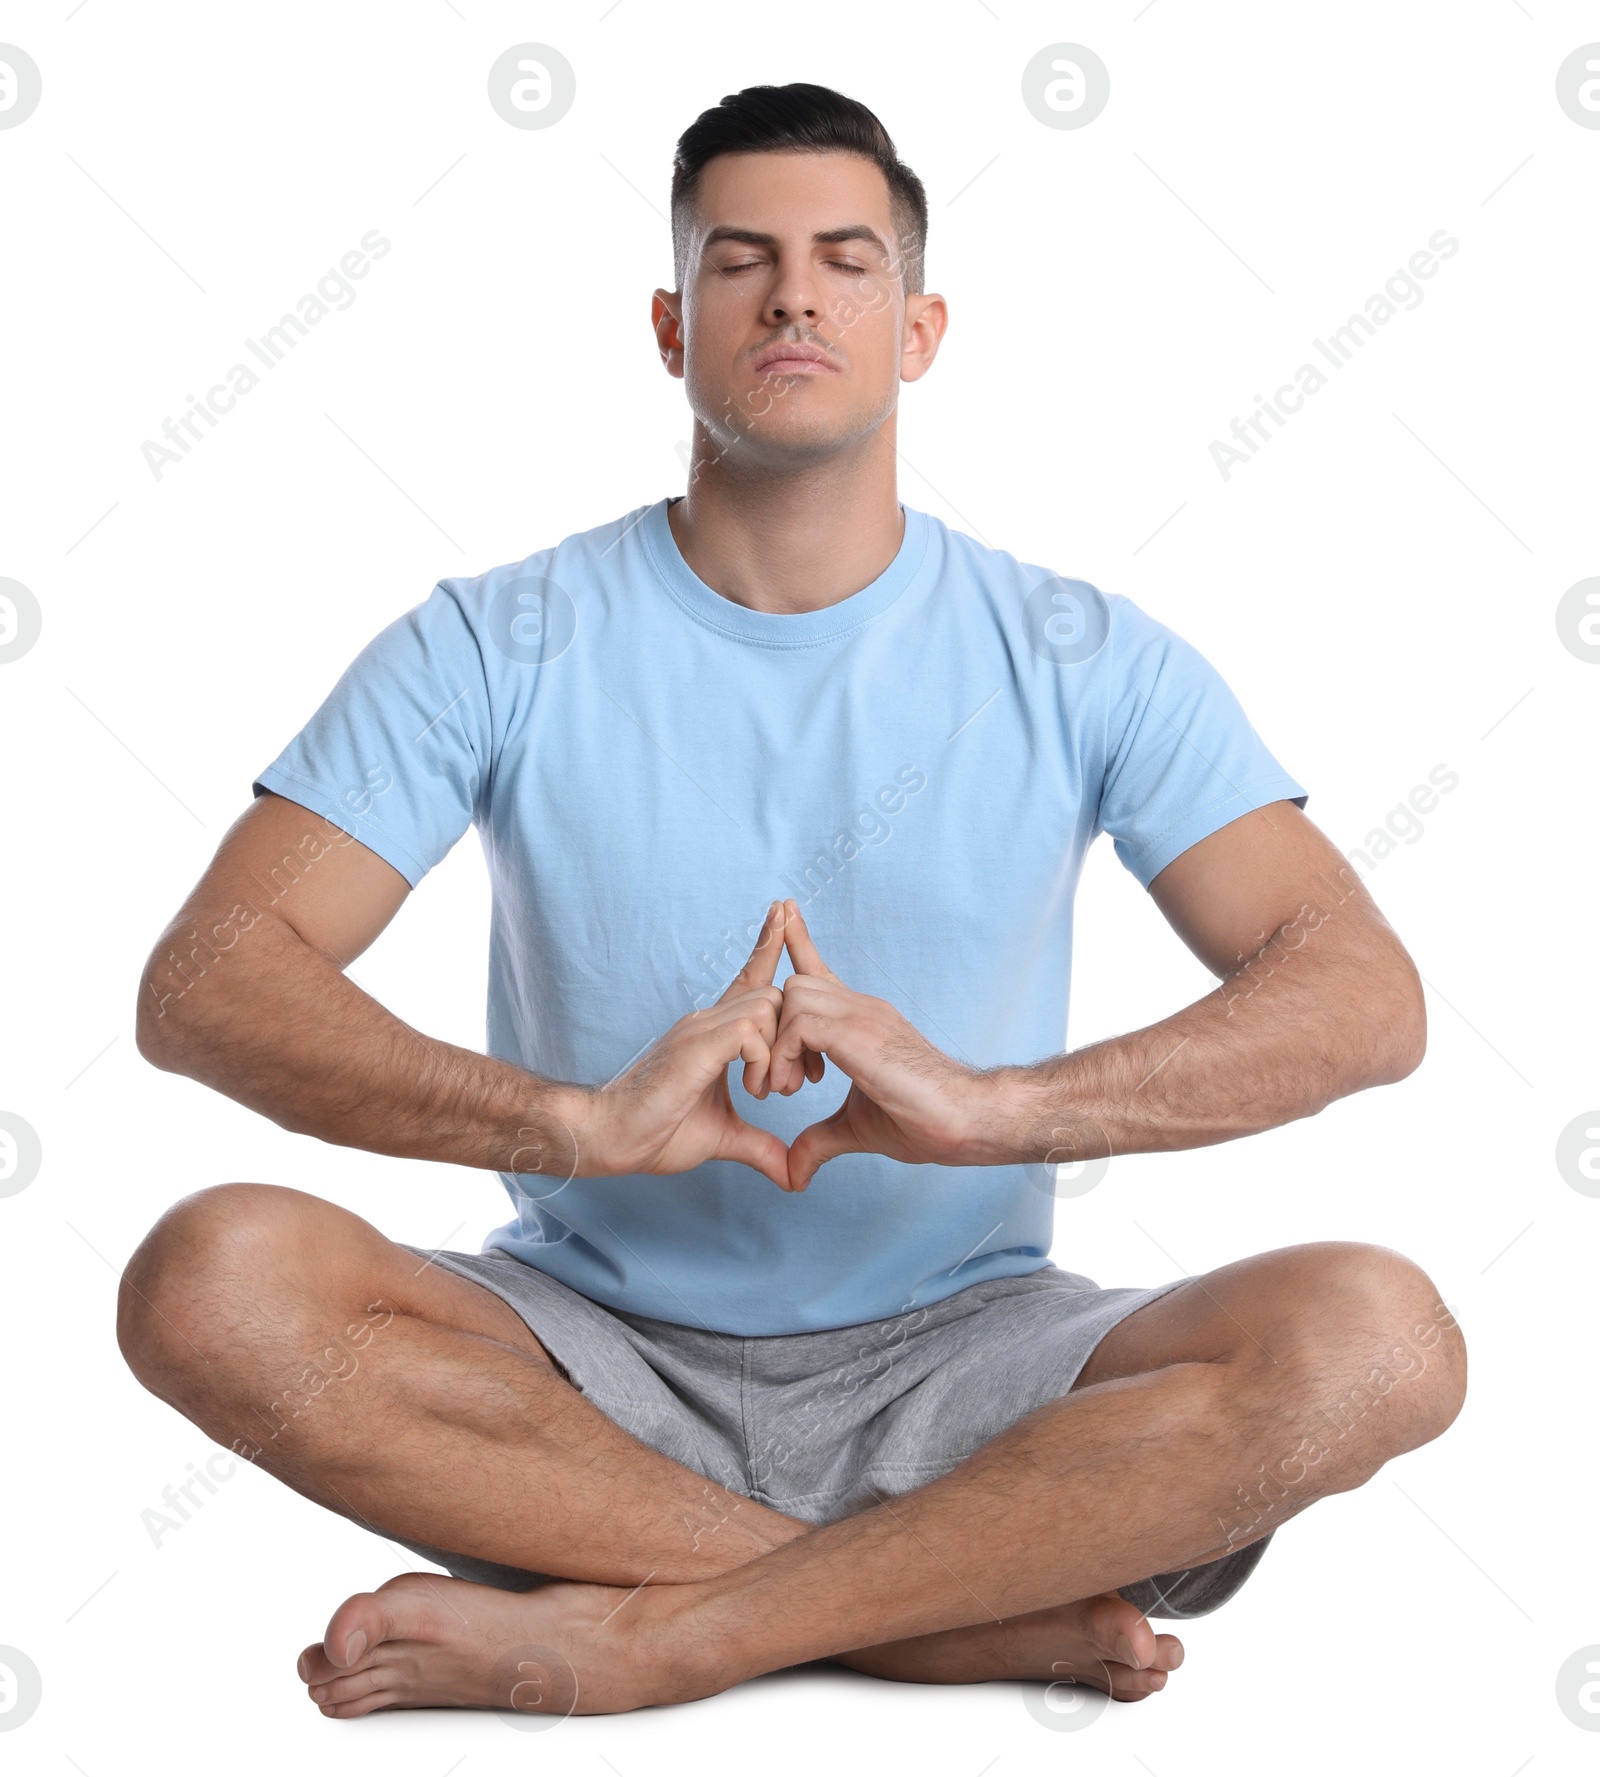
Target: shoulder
(528,610)
(579,559)
(1064,618)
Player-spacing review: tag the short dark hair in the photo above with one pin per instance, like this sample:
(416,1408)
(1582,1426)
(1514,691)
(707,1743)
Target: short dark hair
(798,118)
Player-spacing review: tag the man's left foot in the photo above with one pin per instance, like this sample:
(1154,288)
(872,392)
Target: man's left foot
(1104,1642)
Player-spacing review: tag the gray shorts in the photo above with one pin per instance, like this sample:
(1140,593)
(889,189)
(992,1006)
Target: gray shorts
(821,1425)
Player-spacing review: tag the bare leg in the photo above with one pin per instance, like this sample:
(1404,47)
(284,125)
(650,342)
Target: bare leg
(295,1333)
(1307,1368)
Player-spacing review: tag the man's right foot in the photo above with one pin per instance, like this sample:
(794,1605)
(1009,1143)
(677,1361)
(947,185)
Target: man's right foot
(422,1641)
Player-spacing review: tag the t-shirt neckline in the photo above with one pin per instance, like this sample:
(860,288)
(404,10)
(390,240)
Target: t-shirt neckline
(776,629)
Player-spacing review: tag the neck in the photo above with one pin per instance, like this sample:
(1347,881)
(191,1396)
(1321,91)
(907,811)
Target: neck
(787,540)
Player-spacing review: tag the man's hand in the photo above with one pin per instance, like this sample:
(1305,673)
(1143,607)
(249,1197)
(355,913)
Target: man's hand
(671,1110)
(907,1099)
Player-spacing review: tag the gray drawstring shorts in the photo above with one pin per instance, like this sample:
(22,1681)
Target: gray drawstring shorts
(819,1425)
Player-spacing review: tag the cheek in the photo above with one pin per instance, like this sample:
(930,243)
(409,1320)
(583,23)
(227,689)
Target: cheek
(720,385)
(869,309)
(875,349)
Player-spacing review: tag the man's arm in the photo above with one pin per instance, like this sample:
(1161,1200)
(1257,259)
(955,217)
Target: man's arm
(246,992)
(1318,999)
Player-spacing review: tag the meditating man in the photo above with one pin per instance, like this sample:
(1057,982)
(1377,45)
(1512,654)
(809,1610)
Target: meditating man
(784,789)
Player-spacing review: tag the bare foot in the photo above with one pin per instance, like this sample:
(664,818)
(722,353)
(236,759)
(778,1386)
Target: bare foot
(1103,1641)
(422,1641)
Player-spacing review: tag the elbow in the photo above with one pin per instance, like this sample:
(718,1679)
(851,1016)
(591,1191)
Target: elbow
(155,1025)
(1404,1018)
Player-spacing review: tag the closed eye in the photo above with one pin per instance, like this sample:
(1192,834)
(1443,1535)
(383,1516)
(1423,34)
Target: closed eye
(838,264)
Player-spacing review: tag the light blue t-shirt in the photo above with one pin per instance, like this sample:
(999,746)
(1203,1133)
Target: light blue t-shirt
(922,766)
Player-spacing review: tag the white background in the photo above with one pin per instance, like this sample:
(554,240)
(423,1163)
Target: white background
(1378,585)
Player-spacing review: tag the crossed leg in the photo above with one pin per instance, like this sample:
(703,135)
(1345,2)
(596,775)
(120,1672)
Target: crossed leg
(231,1302)
(415,1402)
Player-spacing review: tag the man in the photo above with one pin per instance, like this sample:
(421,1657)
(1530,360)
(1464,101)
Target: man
(776,1369)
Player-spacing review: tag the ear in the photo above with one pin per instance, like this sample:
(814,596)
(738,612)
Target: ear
(666,317)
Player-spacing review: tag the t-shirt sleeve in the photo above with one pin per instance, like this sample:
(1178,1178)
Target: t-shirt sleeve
(399,752)
(1181,758)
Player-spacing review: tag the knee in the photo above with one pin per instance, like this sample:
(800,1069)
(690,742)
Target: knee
(191,1275)
(1380,1332)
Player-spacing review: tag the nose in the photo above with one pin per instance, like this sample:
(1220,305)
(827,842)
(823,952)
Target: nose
(777,312)
(792,297)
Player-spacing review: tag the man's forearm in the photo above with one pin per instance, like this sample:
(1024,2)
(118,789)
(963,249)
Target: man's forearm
(275,1024)
(1330,1004)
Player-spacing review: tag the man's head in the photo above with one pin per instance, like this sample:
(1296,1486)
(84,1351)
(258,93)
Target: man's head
(798,119)
(795,224)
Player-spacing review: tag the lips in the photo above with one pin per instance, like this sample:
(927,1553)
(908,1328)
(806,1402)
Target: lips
(794,360)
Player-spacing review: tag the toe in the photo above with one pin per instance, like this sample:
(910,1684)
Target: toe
(367,1705)
(1129,1684)
(1121,1632)
(361,1625)
(353,1628)
(353,1687)
(314,1666)
(406,1608)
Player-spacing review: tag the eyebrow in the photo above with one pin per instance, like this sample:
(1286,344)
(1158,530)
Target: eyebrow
(750,237)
